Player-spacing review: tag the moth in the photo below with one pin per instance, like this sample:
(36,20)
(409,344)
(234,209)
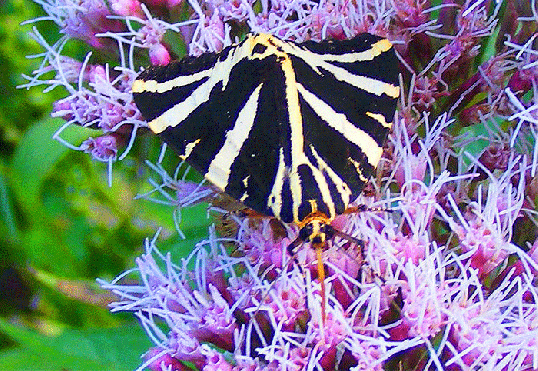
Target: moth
(291,130)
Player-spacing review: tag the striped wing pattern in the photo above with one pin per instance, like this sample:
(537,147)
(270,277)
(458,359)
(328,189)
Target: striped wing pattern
(285,128)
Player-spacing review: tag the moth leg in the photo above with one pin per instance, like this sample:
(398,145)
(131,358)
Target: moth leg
(364,208)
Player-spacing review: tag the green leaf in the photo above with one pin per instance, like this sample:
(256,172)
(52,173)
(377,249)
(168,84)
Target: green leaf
(7,213)
(475,147)
(75,350)
(36,156)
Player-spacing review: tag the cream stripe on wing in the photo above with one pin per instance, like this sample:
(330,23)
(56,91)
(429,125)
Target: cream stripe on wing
(344,192)
(152,86)
(220,72)
(340,123)
(379,118)
(371,85)
(175,115)
(274,202)
(218,69)
(219,169)
(375,50)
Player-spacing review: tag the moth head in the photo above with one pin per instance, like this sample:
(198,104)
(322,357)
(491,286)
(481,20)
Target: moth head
(317,232)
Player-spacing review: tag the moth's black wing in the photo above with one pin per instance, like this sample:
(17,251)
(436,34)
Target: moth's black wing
(276,124)
(348,94)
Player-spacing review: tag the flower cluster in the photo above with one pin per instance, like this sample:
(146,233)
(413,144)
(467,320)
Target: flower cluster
(445,277)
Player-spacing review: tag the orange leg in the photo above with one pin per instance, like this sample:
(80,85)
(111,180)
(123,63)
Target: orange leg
(364,208)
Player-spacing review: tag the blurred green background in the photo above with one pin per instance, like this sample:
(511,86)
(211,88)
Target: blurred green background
(62,226)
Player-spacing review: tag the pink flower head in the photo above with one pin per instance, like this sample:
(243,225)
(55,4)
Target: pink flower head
(260,244)
(81,107)
(182,346)
(83,20)
(481,242)
(286,301)
(127,8)
(235,10)
(411,13)
(212,33)
(215,361)
(159,55)
(151,36)
(102,148)
(158,360)
(106,107)
(367,355)
(214,322)
(423,313)
(329,21)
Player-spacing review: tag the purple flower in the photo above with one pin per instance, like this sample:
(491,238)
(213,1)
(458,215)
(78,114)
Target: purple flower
(127,8)
(234,10)
(411,14)
(286,301)
(101,148)
(157,360)
(215,361)
(486,331)
(159,55)
(82,19)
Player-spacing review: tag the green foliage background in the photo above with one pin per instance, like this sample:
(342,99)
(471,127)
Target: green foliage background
(62,226)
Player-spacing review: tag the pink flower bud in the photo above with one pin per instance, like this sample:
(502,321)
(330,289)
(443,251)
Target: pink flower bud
(158,55)
(127,8)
